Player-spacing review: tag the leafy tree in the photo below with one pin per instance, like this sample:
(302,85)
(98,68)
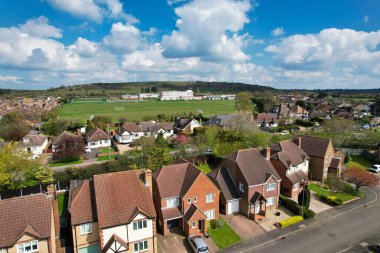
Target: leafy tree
(304,197)
(241,121)
(334,185)
(12,126)
(360,178)
(70,150)
(243,101)
(154,89)
(101,121)
(44,175)
(54,127)
(90,125)
(156,157)
(160,141)
(211,134)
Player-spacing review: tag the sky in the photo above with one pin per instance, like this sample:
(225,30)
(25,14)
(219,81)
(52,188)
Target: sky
(290,44)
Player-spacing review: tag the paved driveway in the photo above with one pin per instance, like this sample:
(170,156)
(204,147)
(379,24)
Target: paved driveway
(317,205)
(243,226)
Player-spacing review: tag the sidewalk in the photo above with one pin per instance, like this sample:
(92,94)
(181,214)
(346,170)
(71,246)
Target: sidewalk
(282,233)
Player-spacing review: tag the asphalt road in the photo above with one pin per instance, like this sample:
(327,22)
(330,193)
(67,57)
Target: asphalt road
(338,230)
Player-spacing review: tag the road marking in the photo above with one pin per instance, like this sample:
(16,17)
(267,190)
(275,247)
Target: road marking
(364,244)
(311,225)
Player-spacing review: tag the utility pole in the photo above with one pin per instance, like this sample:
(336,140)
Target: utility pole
(109,139)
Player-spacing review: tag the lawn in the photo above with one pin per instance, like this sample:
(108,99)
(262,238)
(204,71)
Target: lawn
(63,200)
(341,195)
(135,111)
(223,236)
(205,167)
(106,158)
(359,162)
(56,164)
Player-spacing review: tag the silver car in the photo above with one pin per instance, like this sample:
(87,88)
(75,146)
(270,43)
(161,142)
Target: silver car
(197,244)
(375,168)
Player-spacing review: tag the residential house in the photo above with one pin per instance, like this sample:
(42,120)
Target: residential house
(184,197)
(219,120)
(186,124)
(129,132)
(281,110)
(248,182)
(34,143)
(63,139)
(292,164)
(298,112)
(97,138)
(114,213)
(324,162)
(267,120)
(29,224)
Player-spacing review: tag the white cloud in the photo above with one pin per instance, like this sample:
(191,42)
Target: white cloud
(39,27)
(204,29)
(366,19)
(279,31)
(174,2)
(9,79)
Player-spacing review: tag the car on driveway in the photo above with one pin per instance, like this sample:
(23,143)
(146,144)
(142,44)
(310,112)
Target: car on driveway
(198,244)
(375,168)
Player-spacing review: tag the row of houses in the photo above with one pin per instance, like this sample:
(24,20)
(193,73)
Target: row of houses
(123,211)
(177,95)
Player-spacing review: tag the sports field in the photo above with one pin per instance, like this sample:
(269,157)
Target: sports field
(135,111)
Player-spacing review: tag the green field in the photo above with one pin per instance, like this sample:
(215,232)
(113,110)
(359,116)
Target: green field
(135,111)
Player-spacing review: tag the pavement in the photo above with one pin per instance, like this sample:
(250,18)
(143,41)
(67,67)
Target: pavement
(334,230)
(317,205)
(269,223)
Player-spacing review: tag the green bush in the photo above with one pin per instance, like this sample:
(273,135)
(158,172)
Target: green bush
(295,208)
(213,224)
(290,221)
(330,200)
(308,214)
(304,123)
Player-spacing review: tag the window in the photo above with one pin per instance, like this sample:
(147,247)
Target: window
(139,224)
(195,199)
(188,200)
(171,202)
(27,247)
(210,197)
(270,201)
(193,224)
(140,246)
(241,187)
(86,228)
(295,186)
(210,214)
(271,186)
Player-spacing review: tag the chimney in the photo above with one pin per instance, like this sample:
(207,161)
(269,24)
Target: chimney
(299,139)
(51,191)
(148,179)
(268,153)
(79,133)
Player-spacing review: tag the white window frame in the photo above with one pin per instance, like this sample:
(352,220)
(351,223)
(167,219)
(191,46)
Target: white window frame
(193,224)
(241,187)
(140,224)
(270,188)
(270,201)
(210,198)
(189,200)
(172,202)
(143,243)
(210,214)
(84,230)
(23,245)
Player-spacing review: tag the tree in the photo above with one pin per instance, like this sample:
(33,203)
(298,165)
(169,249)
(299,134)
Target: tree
(70,150)
(154,89)
(44,175)
(360,178)
(156,157)
(54,127)
(101,121)
(335,185)
(241,121)
(160,141)
(304,197)
(243,101)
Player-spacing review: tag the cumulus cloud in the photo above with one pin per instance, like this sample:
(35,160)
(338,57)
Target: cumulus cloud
(279,31)
(40,27)
(9,79)
(209,30)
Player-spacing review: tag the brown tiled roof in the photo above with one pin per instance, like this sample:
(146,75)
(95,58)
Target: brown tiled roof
(82,203)
(176,179)
(224,181)
(297,176)
(30,214)
(96,134)
(118,195)
(62,137)
(35,139)
(171,213)
(191,211)
(254,166)
(287,151)
(267,117)
(144,127)
(299,109)
(334,163)
(314,146)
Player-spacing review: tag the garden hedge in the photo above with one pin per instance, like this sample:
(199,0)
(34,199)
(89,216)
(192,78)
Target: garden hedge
(290,221)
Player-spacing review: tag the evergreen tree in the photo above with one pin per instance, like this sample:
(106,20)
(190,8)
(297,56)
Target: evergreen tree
(304,197)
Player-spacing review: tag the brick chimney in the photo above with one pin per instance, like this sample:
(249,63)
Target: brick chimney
(299,139)
(268,149)
(148,179)
(79,133)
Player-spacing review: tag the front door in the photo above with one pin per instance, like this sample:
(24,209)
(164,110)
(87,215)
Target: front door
(200,225)
(257,207)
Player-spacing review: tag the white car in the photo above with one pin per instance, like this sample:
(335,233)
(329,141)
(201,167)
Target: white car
(198,244)
(284,132)
(87,150)
(375,168)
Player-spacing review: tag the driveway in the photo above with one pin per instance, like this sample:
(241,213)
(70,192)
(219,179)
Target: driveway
(317,205)
(271,218)
(243,226)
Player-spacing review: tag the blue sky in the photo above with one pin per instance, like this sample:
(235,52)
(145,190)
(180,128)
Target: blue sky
(283,44)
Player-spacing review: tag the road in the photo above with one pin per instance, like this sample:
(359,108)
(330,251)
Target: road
(84,164)
(337,230)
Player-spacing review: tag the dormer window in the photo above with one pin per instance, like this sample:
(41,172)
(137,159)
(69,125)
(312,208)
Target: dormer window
(27,247)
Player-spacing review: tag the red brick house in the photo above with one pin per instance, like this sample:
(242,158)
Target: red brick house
(292,164)
(248,182)
(185,198)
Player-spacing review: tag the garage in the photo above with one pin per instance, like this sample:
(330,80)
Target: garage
(233,206)
(90,249)
(172,224)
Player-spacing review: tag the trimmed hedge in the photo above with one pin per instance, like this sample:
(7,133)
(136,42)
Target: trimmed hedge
(331,200)
(295,208)
(290,221)
(304,123)
(308,214)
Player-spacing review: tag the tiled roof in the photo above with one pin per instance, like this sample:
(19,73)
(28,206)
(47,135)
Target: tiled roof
(62,137)
(297,176)
(35,139)
(138,127)
(224,181)
(30,214)
(171,213)
(82,203)
(314,146)
(287,151)
(219,120)
(96,134)
(118,195)
(253,165)
(176,179)
(191,211)
(334,163)
(267,117)
(299,109)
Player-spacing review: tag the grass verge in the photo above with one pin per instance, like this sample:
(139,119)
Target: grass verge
(341,195)
(224,235)
(359,162)
(56,164)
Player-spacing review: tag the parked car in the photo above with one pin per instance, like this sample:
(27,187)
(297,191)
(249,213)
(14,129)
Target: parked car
(366,127)
(284,132)
(87,150)
(191,150)
(198,244)
(375,168)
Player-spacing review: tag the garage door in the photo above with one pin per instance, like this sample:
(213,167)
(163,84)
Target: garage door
(233,206)
(173,224)
(90,249)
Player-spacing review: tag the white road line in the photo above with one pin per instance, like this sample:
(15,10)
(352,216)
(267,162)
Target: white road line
(311,225)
